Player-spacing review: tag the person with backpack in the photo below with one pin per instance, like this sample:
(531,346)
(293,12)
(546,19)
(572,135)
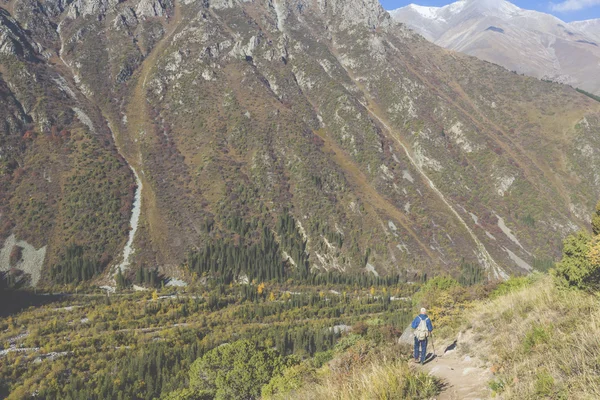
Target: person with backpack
(423,327)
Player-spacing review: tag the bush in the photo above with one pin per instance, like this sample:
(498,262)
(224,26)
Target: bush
(580,265)
(497,386)
(429,295)
(544,384)
(293,378)
(235,371)
(513,284)
(538,335)
(360,328)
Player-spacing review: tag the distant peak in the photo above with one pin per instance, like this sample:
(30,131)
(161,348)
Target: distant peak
(478,6)
(485,6)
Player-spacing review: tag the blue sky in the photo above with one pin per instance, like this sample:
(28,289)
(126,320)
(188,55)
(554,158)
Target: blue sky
(567,10)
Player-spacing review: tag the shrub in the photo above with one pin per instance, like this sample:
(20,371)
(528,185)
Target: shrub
(497,386)
(544,384)
(580,265)
(536,336)
(292,379)
(360,328)
(512,285)
(429,295)
(235,371)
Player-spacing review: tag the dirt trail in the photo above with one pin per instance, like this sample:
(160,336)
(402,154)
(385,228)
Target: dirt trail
(463,377)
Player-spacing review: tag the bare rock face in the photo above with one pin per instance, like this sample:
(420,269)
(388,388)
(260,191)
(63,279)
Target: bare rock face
(86,8)
(150,8)
(356,12)
(323,128)
(12,38)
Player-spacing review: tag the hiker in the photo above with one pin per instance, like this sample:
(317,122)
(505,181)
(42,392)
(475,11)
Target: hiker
(422,326)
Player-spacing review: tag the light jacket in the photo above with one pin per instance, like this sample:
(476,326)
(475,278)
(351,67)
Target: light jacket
(418,319)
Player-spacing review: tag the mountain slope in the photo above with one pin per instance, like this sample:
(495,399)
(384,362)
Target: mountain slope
(257,126)
(590,27)
(524,41)
(62,183)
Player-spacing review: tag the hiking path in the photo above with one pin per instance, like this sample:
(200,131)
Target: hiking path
(463,377)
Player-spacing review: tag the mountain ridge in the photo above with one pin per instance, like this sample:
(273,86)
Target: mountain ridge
(526,41)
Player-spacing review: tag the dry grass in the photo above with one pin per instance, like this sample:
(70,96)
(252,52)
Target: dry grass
(544,342)
(380,380)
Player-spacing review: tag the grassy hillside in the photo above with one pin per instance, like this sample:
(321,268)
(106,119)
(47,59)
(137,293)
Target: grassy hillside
(542,341)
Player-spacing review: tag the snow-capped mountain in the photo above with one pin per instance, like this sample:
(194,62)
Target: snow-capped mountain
(529,42)
(590,27)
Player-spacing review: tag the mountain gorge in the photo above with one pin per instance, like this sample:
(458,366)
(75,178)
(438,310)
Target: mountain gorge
(528,42)
(320,135)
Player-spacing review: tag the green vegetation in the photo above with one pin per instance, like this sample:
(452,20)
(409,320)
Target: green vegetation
(76,266)
(574,270)
(322,337)
(588,94)
(236,371)
(145,345)
(580,264)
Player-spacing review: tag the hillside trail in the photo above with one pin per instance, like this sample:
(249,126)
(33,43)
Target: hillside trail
(463,377)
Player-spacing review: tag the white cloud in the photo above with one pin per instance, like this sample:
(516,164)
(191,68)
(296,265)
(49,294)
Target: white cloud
(573,5)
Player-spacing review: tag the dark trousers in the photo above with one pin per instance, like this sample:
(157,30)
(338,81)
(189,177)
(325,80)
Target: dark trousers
(420,347)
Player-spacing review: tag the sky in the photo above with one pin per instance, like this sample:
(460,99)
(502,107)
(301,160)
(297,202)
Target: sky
(567,10)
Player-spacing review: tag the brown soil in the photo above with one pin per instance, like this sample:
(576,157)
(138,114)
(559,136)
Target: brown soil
(463,377)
